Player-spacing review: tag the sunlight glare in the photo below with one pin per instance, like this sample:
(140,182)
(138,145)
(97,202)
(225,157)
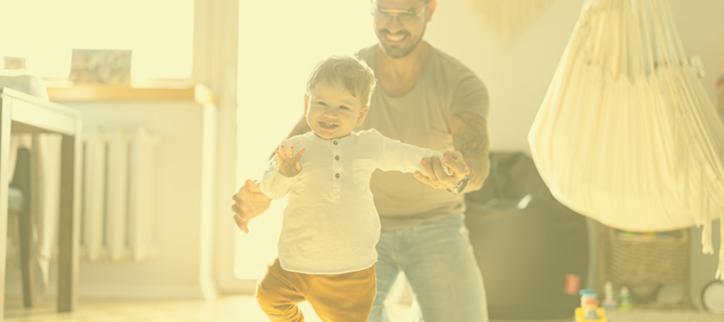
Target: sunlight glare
(45,32)
(279,43)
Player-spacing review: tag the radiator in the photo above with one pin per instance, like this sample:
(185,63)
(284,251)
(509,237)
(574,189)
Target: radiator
(117,215)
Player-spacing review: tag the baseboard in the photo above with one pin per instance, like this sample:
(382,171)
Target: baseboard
(237,287)
(142,290)
(135,291)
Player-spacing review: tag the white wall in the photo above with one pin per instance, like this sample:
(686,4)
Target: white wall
(518,76)
(178,197)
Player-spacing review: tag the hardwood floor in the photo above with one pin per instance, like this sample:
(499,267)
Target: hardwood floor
(244,308)
(231,308)
(223,309)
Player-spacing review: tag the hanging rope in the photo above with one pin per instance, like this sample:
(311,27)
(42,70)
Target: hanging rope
(626,133)
(507,18)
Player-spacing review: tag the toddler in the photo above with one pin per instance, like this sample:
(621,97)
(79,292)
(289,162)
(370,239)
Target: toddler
(330,226)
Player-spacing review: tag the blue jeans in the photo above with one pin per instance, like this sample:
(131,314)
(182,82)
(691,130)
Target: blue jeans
(439,263)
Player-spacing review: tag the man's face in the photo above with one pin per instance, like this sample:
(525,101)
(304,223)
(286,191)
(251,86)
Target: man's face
(400,24)
(332,112)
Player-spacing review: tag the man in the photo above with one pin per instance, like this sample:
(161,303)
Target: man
(426,98)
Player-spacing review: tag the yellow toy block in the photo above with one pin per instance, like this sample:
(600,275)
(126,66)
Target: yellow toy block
(601,315)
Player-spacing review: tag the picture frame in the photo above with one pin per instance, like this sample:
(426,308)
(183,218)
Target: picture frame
(106,67)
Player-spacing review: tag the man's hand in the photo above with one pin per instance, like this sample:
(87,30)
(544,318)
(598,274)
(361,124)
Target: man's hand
(289,165)
(436,177)
(249,202)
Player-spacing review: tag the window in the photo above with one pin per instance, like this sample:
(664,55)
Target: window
(279,43)
(44,32)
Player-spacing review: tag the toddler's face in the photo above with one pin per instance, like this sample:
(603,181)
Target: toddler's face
(332,112)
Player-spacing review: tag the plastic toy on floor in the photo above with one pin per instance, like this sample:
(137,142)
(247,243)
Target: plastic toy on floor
(609,303)
(624,299)
(589,310)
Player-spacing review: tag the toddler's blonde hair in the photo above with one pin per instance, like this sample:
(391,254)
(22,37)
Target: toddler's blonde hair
(353,74)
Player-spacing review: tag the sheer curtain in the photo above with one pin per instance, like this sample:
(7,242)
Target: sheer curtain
(279,42)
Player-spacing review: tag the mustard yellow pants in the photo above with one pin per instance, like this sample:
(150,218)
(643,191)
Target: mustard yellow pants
(335,298)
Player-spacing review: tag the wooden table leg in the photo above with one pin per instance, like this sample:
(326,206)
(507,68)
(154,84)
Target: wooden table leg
(21,181)
(26,266)
(69,238)
(5,123)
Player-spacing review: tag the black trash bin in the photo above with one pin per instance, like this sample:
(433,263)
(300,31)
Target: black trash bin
(531,249)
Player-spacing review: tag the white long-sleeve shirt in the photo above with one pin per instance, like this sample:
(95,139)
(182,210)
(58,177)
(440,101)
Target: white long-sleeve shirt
(330,224)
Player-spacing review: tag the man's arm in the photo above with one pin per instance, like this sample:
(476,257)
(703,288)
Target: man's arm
(301,127)
(470,137)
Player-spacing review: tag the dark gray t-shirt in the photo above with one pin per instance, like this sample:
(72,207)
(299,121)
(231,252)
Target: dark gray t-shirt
(420,117)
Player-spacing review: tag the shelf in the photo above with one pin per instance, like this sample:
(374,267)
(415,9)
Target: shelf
(80,93)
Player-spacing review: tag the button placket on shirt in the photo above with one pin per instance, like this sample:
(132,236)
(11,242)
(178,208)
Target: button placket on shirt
(336,169)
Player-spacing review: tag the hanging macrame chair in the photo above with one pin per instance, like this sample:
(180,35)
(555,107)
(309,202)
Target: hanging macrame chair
(626,134)
(507,18)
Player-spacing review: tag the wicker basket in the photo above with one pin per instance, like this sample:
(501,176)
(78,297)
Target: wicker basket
(648,260)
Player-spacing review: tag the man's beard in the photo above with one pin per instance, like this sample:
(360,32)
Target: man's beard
(399,52)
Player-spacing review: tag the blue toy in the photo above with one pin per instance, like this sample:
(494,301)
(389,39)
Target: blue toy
(589,310)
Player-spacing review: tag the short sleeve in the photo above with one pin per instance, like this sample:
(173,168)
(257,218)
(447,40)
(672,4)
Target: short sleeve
(470,95)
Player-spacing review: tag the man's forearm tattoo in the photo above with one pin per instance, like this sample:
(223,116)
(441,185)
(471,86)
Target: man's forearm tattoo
(470,137)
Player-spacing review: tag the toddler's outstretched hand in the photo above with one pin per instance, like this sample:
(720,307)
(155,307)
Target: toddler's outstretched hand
(289,164)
